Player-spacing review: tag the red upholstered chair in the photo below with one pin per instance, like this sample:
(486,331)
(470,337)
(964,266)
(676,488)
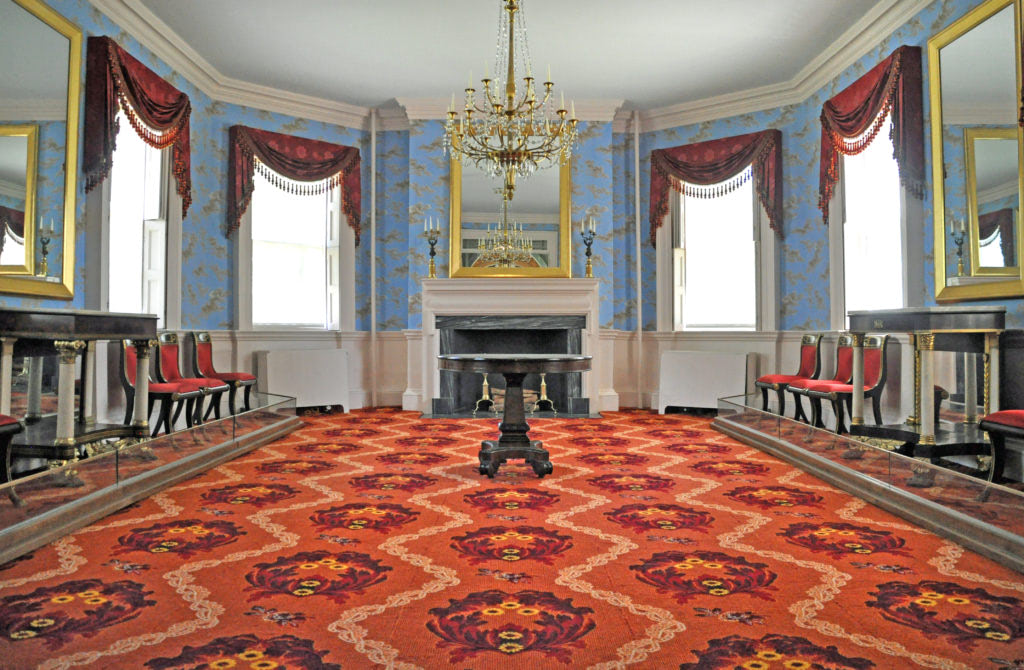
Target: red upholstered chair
(202,366)
(839,393)
(9,427)
(810,368)
(168,371)
(180,394)
(1001,425)
(844,370)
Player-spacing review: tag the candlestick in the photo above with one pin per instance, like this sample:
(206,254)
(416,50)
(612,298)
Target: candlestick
(587,234)
(431,234)
(958,240)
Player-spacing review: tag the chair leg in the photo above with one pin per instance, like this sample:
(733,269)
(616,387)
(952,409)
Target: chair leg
(781,393)
(231,399)
(764,399)
(5,469)
(876,409)
(248,391)
(197,418)
(837,407)
(816,413)
(798,412)
(129,395)
(214,407)
(165,417)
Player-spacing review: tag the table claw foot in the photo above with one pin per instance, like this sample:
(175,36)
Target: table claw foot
(541,468)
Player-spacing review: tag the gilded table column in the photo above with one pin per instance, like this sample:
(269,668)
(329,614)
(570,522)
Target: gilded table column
(970,388)
(67,351)
(992,344)
(6,372)
(926,349)
(857,410)
(88,409)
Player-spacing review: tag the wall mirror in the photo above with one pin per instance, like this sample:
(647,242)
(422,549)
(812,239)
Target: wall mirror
(541,206)
(974,75)
(40,82)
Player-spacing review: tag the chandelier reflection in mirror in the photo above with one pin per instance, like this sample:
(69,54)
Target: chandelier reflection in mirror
(511,132)
(506,246)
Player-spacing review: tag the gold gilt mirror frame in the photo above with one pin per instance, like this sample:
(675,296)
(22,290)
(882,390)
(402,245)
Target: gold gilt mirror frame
(975,139)
(548,247)
(959,118)
(57,285)
(20,140)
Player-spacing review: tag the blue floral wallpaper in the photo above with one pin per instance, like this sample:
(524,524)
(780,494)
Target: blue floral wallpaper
(412,183)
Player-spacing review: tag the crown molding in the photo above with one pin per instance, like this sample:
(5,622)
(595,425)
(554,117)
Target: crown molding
(33,110)
(158,37)
(989,114)
(881,21)
(434,109)
(392,118)
(10,189)
(998,192)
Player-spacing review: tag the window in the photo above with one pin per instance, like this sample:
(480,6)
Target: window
(137,270)
(295,257)
(872,232)
(715,261)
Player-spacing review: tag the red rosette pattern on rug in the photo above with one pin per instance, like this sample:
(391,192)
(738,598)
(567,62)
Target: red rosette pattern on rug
(412,458)
(82,607)
(367,420)
(598,442)
(248,651)
(772,651)
(632,482)
(612,458)
(697,448)
(426,441)
(308,466)
(643,518)
(380,517)
(676,434)
(434,427)
(685,575)
(521,543)
(316,573)
(729,468)
(182,537)
(588,428)
(503,498)
(257,495)
(960,614)
(386,481)
(351,432)
(767,497)
(511,624)
(335,448)
(838,539)
(656,420)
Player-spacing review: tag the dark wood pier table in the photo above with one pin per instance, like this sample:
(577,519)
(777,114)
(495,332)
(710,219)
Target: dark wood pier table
(68,333)
(514,441)
(971,330)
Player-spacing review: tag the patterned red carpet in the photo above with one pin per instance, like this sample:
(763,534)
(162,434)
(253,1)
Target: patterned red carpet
(369,540)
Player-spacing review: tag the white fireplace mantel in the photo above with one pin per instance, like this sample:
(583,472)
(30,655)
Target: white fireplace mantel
(502,296)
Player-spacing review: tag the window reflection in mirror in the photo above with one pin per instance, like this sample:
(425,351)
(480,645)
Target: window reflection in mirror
(17,205)
(993,199)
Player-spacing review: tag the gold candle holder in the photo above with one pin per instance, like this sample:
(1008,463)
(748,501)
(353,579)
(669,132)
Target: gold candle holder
(431,231)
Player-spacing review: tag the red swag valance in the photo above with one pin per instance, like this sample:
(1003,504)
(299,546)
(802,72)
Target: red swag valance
(157,111)
(715,161)
(322,165)
(858,112)
(13,219)
(1003,220)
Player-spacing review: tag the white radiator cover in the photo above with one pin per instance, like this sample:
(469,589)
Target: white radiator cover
(313,377)
(700,378)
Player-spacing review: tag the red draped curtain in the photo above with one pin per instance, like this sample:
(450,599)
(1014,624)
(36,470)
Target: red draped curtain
(701,164)
(14,221)
(1003,220)
(157,111)
(317,166)
(850,121)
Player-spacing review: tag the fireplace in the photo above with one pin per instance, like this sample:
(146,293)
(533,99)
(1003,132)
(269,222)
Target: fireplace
(510,334)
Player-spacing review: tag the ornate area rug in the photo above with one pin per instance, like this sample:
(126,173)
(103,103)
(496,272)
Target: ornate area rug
(369,540)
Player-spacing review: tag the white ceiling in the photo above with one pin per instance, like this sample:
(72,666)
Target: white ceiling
(653,53)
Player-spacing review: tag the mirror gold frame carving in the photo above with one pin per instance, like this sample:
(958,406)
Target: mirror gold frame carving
(973,206)
(998,287)
(564,268)
(31,133)
(38,286)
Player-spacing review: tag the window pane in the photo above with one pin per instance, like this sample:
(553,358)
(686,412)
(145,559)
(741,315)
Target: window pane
(720,261)
(872,236)
(289,256)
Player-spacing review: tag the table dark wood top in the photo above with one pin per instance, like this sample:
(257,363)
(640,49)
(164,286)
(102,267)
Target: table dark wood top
(513,363)
(37,329)
(951,318)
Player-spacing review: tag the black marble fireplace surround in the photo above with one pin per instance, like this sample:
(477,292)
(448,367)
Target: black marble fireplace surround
(510,335)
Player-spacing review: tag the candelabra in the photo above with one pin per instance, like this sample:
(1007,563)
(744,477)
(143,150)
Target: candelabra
(431,231)
(958,240)
(588,232)
(44,250)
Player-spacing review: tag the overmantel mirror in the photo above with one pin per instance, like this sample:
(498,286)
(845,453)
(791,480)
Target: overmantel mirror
(539,212)
(40,82)
(974,75)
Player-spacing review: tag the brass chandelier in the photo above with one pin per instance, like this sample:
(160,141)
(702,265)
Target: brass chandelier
(511,132)
(507,246)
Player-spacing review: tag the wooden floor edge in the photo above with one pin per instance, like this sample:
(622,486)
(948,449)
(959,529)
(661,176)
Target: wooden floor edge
(54,524)
(1003,547)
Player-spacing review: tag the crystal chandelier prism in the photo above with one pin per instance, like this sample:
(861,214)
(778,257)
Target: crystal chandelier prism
(507,246)
(511,132)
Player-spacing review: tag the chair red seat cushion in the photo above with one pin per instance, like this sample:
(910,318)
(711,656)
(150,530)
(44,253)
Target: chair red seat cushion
(7,420)
(826,386)
(779,379)
(203,382)
(1014,418)
(236,376)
